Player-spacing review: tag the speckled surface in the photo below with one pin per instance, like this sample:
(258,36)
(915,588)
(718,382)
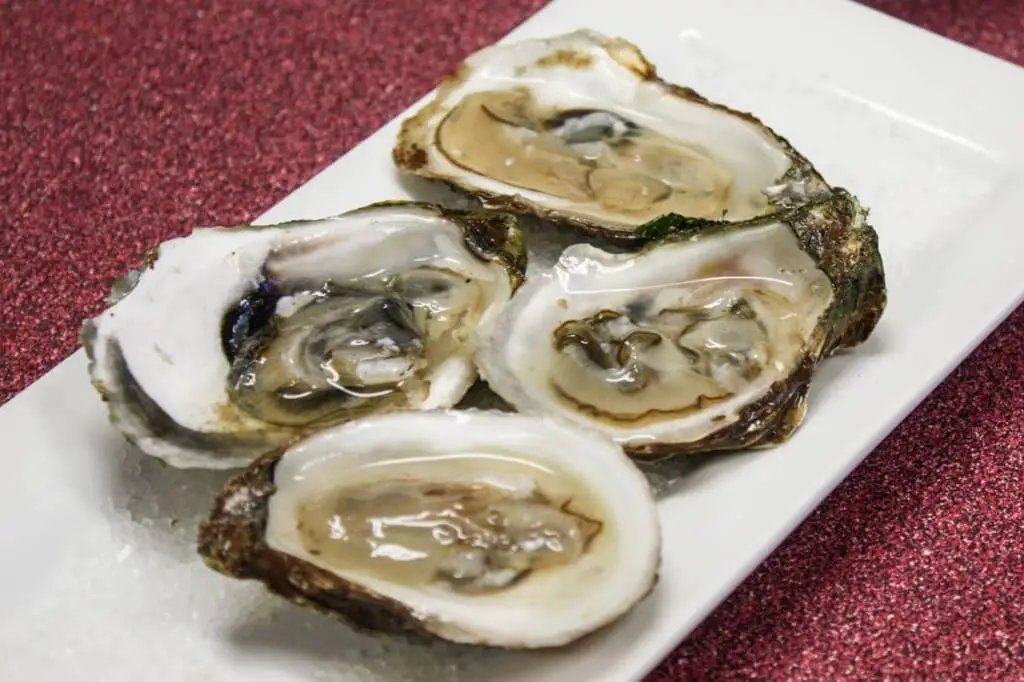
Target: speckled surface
(125,124)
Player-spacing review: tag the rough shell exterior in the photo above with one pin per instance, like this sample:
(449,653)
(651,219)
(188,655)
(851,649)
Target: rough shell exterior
(231,542)
(836,234)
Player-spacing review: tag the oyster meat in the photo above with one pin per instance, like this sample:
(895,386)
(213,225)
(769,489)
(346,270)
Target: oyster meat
(704,340)
(580,129)
(233,341)
(476,527)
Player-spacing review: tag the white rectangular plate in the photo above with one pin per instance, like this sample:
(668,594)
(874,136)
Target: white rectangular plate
(99,574)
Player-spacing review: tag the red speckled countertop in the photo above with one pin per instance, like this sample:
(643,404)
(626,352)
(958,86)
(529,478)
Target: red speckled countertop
(124,124)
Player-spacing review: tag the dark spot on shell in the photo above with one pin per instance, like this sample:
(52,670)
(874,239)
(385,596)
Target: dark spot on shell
(411,157)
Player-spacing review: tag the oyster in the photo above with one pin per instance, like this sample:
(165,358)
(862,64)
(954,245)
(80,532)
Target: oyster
(233,341)
(477,527)
(579,129)
(704,340)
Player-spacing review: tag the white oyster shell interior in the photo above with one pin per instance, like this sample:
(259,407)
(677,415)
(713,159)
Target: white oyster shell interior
(165,337)
(574,126)
(662,346)
(512,457)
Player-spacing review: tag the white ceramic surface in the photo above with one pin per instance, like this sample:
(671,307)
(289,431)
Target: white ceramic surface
(99,578)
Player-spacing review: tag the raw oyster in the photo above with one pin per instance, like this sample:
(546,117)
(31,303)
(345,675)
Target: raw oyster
(477,527)
(579,129)
(231,342)
(704,340)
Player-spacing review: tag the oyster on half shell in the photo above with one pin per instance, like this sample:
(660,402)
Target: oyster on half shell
(476,527)
(233,341)
(704,340)
(580,129)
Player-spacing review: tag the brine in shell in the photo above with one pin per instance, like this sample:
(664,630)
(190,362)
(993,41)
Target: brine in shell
(231,342)
(580,129)
(705,340)
(476,527)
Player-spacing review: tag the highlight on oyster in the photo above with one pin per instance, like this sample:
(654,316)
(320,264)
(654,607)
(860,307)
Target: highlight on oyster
(705,340)
(476,527)
(230,342)
(580,129)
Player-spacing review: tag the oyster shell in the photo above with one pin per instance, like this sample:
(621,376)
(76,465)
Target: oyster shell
(233,341)
(704,340)
(579,129)
(476,527)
